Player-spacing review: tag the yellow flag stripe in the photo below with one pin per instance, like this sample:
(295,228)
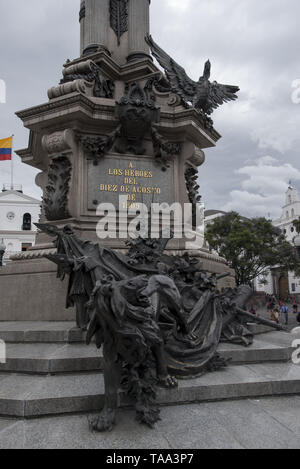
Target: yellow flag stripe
(6,143)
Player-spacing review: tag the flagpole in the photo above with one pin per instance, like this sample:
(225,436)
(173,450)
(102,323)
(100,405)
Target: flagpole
(12,166)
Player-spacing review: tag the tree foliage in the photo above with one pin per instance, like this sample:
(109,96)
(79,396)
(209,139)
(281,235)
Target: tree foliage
(251,246)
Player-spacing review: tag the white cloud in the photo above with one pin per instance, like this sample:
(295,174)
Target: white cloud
(243,45)
(263,190)
(179,5)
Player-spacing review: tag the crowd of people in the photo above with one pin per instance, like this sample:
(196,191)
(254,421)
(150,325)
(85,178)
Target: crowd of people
(279,310)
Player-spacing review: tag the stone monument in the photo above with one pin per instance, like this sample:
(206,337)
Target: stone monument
(114,125)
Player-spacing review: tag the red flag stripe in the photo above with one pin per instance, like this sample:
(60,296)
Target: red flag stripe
(5,157)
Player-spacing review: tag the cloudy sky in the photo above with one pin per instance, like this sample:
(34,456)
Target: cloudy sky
(252,43)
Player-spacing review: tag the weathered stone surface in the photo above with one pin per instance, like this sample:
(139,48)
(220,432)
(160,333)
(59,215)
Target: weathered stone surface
(51,358)
(40,332)
(27,292)
(36,280)
(54,347)
(29,396)
(268,423)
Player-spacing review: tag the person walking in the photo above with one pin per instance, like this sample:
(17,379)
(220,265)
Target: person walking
(285,313)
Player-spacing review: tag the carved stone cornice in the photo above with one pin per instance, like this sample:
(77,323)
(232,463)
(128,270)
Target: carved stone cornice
(126,72)
(78,86)
(66,102)
(58,142)
(183,121)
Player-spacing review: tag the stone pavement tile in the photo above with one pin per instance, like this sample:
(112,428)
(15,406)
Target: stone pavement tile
(253,427)
(277,338)
(266,423)
(4,423)
(65,432)
(11,434)
(196,427)
(285,410)
(72,432)
(129,434)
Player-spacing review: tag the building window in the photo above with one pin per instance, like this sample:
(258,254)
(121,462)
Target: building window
(293,213)
(26,246)
(293,287)
(287,214)
(292,229)
(26,222)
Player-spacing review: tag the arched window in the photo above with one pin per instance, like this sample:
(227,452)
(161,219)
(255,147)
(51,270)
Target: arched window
(287,214)
(27,222)
(290,199)
(293,213)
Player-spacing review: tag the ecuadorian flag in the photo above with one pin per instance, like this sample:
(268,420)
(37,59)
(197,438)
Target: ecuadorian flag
(6,149)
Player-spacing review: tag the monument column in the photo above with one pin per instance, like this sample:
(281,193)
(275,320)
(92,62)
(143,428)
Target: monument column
(139,26)
(94,23)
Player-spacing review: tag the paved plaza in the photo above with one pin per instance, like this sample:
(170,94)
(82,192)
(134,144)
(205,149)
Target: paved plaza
(265,423)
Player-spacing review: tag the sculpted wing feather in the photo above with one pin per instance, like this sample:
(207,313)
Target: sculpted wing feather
(220,94)
(179,80)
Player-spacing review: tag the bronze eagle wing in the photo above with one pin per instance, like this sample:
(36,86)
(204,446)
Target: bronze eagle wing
(220,94)
(181,84)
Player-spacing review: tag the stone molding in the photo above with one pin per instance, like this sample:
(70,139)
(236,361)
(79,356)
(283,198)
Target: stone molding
(79,86)
(35,254)
(58,142)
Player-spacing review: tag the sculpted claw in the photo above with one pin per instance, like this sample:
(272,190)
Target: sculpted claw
(167,382)
(105,422)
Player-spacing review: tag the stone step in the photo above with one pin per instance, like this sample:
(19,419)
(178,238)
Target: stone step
(67,358)
(67,332)
(51,358)
(40,332)
(33,396)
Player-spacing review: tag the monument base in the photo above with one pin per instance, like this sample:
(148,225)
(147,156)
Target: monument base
(31,291)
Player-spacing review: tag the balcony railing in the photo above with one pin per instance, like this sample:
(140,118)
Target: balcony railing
(15,187)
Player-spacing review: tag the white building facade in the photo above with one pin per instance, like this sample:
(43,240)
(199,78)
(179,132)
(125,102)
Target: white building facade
(290,213)
(18,213)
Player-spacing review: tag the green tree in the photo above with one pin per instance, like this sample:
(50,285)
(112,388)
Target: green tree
(296,224)
(251,246)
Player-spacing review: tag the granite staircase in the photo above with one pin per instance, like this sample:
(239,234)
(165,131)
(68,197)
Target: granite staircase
(50,371)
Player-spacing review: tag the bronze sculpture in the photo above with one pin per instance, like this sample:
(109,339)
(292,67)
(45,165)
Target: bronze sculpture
(157,317)
(204,96)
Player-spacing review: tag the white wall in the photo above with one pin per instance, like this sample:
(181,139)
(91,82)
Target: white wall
(264,288)
(11,230)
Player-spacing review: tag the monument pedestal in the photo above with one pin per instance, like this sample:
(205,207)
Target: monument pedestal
(110,128)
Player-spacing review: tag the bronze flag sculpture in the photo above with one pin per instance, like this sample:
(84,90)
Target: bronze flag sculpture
(157,317)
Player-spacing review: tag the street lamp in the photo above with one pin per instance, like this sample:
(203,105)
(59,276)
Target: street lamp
(2,251)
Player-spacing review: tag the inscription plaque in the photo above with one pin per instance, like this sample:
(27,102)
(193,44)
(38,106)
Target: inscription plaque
(141,180)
